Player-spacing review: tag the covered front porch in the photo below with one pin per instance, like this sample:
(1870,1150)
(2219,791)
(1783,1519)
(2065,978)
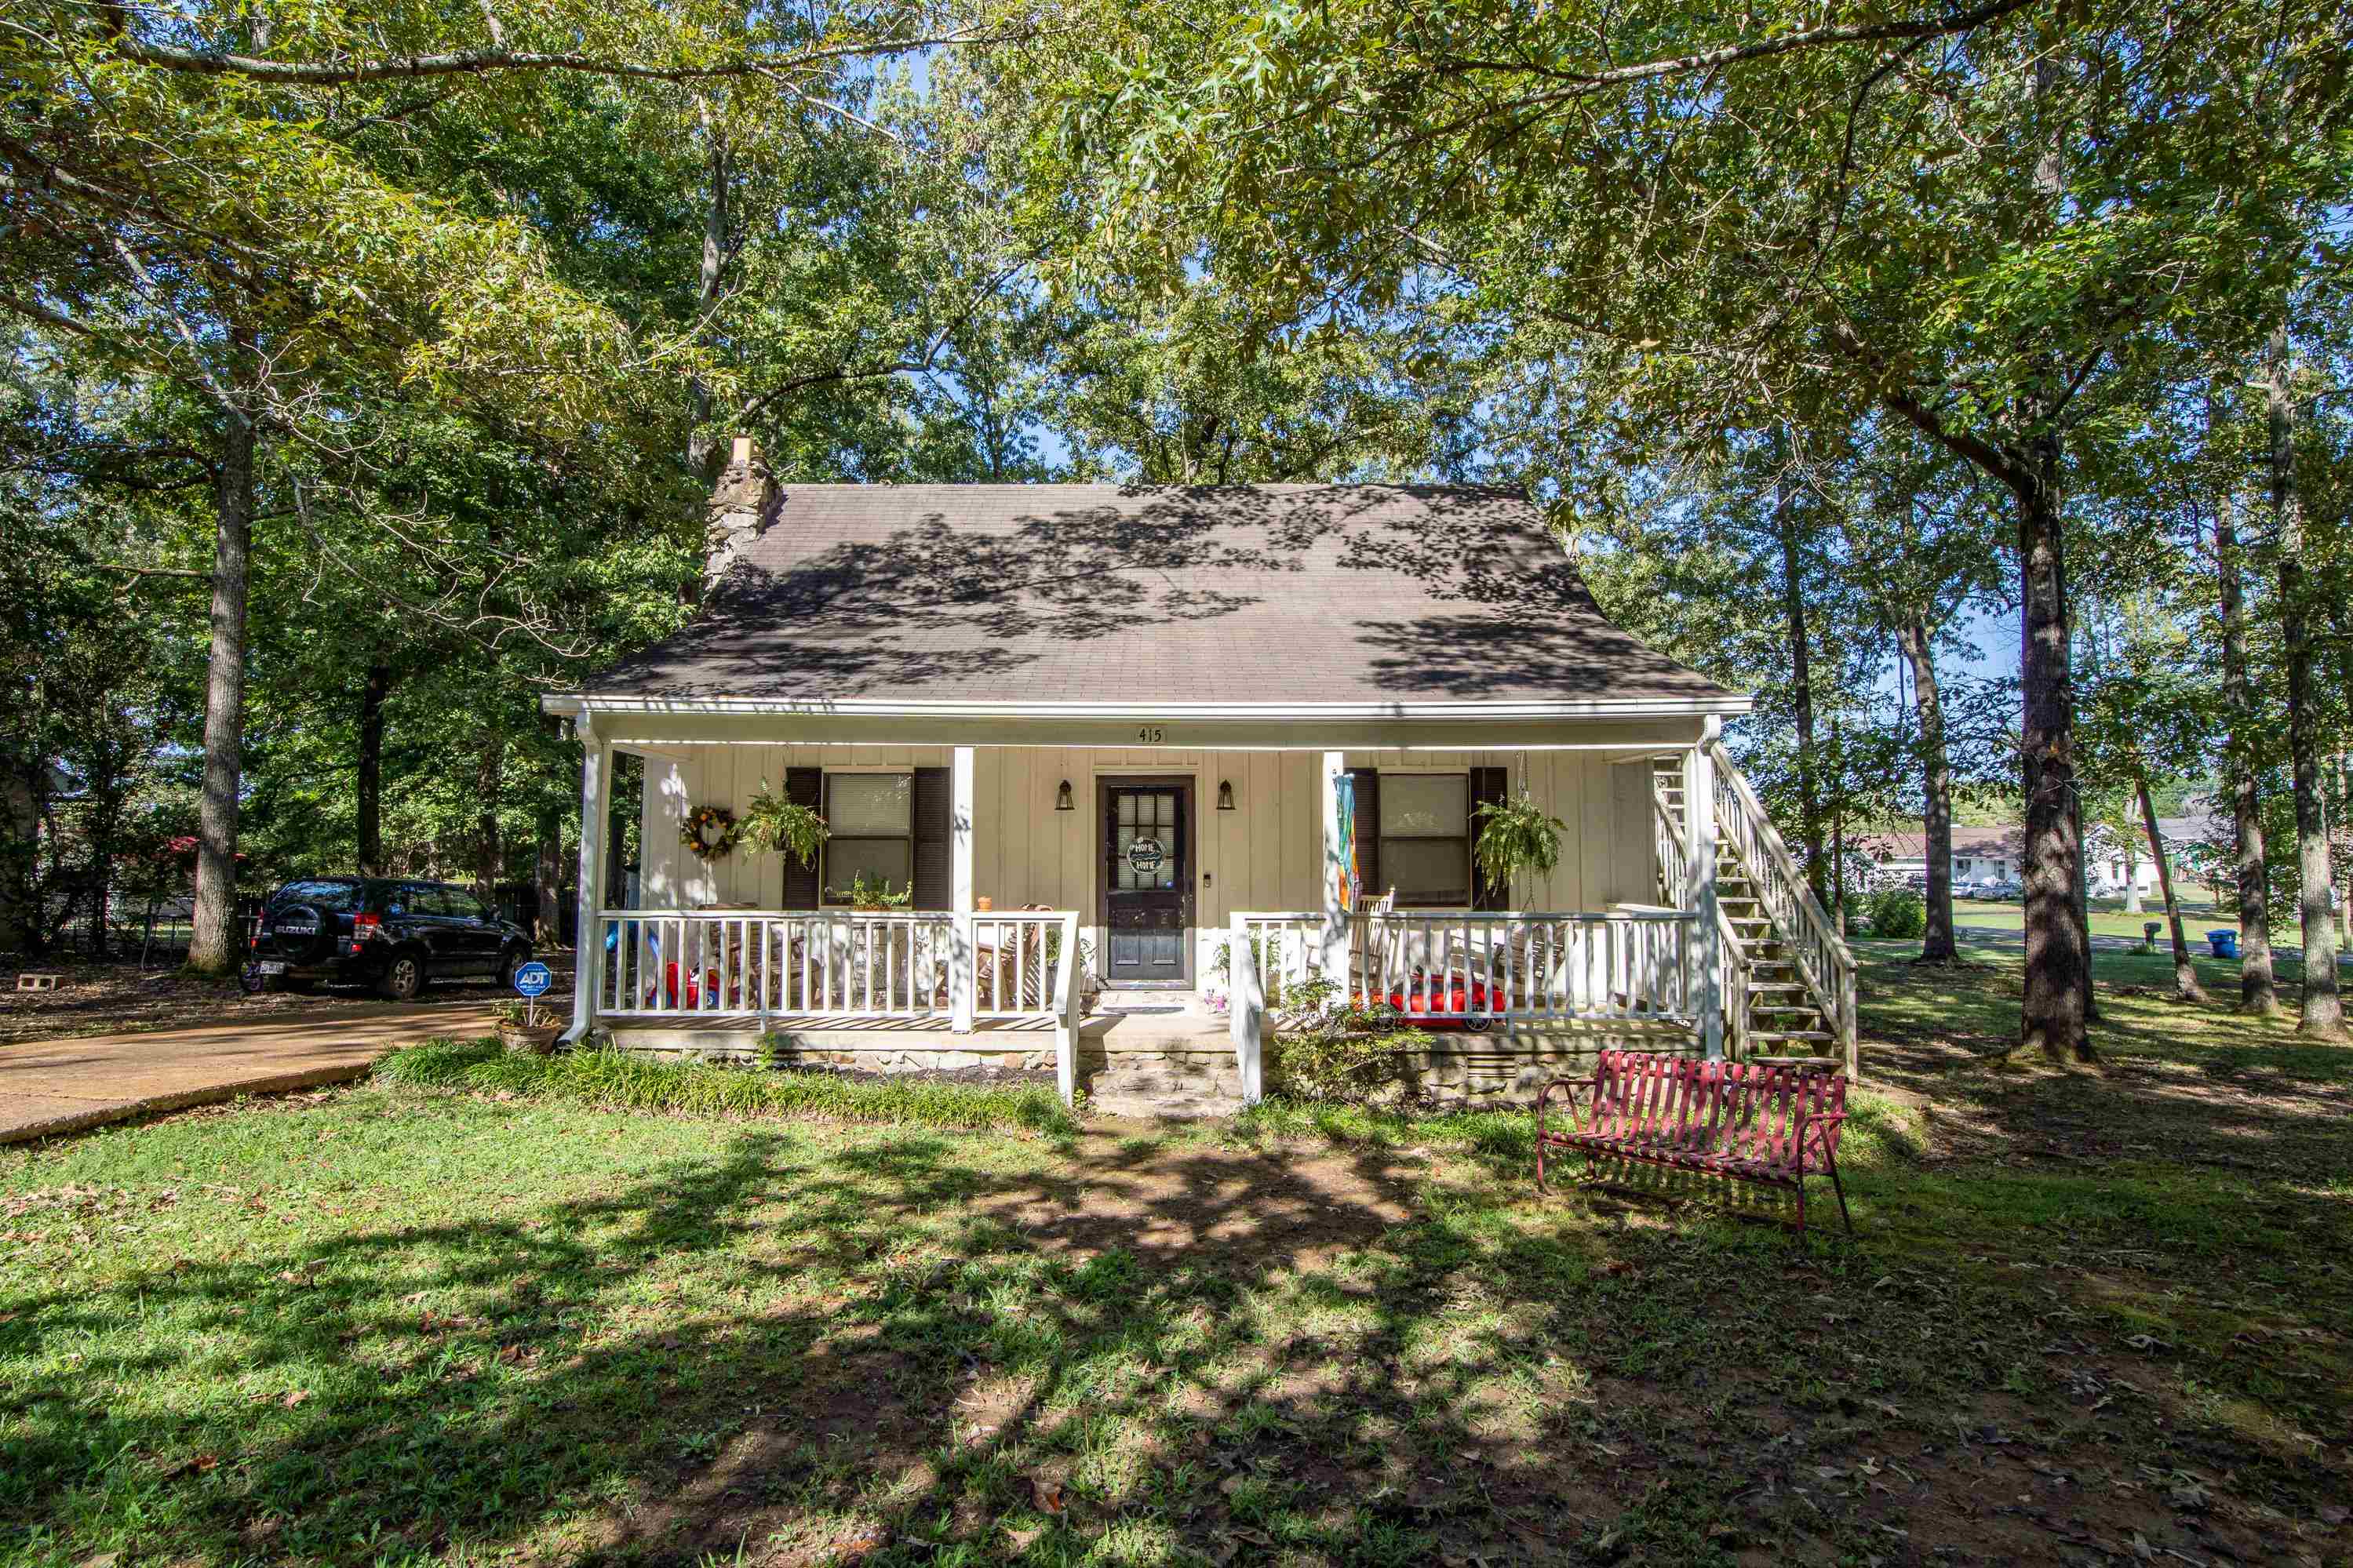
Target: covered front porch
(1080,903)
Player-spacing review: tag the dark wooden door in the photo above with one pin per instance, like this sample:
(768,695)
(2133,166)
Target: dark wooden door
(1147,879)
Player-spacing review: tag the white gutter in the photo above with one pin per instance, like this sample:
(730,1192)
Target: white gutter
(1730,705)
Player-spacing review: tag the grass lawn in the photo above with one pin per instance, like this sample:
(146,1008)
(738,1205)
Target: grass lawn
(2199,915)
(2090,1317)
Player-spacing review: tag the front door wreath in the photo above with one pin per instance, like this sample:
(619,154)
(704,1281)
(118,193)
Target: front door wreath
(709,831)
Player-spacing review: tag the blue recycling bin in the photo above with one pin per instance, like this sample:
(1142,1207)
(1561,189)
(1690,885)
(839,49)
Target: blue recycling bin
(2225,943)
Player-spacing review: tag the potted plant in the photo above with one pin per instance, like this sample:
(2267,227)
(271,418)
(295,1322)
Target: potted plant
(1517,835)
(772,824)
(523,1027)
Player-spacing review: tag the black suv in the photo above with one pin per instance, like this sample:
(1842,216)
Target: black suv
(393,935)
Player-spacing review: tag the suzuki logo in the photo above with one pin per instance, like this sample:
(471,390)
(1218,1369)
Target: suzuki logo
(297,931)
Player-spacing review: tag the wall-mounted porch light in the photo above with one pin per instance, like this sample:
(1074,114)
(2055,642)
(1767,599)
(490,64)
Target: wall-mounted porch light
(1062,798)
(1225,794)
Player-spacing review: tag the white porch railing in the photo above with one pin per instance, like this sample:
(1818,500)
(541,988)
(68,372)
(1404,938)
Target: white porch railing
(1674,880)
(844,968)
(1507,966)
(1804,928)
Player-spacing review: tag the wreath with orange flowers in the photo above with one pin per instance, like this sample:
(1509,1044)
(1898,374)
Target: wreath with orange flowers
(709,831)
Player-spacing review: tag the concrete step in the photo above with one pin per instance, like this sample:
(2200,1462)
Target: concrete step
(1169,1107)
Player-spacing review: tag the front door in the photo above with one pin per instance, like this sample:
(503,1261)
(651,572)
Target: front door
(1147,879)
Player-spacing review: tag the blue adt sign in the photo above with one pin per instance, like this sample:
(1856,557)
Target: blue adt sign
(533,979)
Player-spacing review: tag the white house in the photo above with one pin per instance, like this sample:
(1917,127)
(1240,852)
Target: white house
(1111,738)
(1978,853)
(2111,862)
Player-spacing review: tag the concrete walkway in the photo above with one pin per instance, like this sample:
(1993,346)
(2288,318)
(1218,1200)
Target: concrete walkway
(49,1087)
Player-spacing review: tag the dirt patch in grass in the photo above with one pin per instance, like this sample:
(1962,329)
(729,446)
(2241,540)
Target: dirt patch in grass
(2194,1084)
(120,997)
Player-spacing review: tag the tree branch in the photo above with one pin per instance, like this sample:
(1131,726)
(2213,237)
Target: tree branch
(324,73)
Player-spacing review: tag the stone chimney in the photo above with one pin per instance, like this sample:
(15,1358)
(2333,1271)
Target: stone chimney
(742,505)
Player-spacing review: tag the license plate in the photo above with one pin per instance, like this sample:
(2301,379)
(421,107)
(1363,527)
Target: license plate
(273,969)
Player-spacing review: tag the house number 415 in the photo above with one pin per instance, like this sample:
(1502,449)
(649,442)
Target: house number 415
(1151,734)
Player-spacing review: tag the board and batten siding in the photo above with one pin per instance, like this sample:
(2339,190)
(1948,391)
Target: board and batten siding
(1266,853)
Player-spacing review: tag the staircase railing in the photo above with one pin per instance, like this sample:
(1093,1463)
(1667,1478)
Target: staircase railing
(1674,887)
(1821,957)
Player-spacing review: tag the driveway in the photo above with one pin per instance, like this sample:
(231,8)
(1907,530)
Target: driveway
(49,1087)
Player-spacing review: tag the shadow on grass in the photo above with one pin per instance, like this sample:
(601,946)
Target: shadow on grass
(896,1351)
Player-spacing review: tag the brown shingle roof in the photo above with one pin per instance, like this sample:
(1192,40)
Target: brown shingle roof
(1263,594)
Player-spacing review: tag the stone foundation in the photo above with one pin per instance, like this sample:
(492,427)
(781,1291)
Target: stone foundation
(884,1057)
(1508,1068)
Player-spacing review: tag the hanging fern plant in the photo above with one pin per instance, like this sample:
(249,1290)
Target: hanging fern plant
(1516,836)
(772,824)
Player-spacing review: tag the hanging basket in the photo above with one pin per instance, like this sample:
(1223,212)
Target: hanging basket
(709,831)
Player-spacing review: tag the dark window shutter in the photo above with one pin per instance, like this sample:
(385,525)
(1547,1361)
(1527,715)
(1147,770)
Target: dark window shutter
(1368,832)
(934,876)
(1487,785)
(803,786)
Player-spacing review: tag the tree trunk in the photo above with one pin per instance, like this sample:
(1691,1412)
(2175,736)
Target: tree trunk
(2341,832)
(1838,838)
(371,769)
(490,861)
(616,831)
(2132,875)
(2056,1006)
(1801,693)
(2084,914)
(701,443)
(20,854)
(2323,1010)
(215,944)
(102,894)
(547,880)
(2258,991)
(1937,782)
(2185,973)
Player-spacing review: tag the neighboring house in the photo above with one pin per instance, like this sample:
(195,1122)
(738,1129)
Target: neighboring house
(1114,737)
(1997,852)
(1978,853)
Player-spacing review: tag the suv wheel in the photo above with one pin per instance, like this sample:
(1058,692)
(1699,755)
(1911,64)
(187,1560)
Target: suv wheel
(404,977)
(509,961)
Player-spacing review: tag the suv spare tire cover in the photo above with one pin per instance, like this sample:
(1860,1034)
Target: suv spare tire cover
(304,932)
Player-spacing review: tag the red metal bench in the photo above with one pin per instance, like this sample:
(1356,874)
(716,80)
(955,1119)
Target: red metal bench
(1773,1120)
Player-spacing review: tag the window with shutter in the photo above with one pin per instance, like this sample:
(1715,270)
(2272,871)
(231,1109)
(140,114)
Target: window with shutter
(873,820)
(1489,786)
(1424,848)
(803,786)
(935,876)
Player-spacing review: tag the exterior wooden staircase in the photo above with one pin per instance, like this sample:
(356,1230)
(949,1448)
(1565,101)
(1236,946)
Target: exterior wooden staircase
(1789,976)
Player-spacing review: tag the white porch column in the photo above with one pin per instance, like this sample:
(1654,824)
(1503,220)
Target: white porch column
(1706,941)
(1331,948)
(960,820)
(1245,1010)
(595,793)
(671,876)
